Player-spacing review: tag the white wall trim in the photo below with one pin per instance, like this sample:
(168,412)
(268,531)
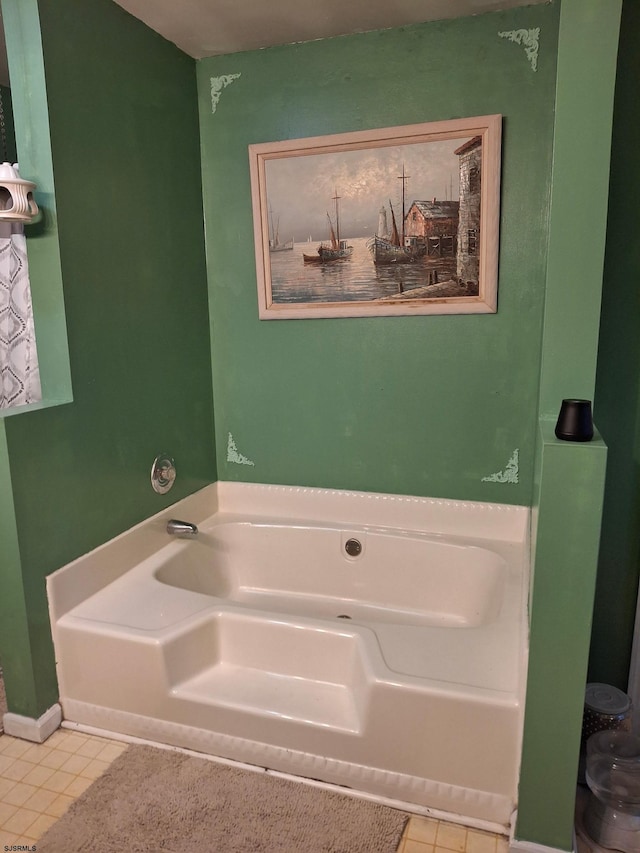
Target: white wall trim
(29,728)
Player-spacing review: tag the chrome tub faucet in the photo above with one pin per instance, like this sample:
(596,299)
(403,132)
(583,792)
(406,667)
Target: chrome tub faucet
(181,528)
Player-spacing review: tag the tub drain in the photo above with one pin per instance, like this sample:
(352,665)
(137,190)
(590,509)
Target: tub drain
(353,547)
(343,616)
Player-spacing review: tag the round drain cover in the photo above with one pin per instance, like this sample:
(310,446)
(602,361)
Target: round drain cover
(353,547)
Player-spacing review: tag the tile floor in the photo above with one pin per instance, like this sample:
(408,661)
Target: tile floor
(38,782)
(426,835)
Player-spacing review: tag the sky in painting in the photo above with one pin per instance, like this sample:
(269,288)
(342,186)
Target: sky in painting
(300,190)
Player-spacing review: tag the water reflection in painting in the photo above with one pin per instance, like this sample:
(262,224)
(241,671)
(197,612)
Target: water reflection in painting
(356,278)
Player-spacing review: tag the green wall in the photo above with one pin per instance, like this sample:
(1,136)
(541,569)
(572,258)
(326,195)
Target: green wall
(15,645)
(31,114)
(124,138)
(568,511)
(419,405)
(430,405)
(9,133)
(617,399)
(569,482)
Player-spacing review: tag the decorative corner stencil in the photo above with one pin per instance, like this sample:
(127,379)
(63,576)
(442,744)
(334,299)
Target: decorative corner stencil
(510,473)
(217,85)
(234,456)
(530,40)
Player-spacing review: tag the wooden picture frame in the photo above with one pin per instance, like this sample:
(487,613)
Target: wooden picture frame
(393,221)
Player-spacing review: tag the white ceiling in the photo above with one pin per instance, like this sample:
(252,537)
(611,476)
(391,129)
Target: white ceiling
(212,27)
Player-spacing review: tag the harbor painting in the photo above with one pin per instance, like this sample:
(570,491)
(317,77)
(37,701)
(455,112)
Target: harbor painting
(400,220)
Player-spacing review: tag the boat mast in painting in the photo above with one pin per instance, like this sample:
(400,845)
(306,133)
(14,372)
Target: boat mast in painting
(337,249)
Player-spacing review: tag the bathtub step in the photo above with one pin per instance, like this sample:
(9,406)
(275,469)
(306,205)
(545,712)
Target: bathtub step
(273,694)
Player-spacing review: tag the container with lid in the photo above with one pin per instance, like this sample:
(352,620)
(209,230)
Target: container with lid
(612,815)
(605,707)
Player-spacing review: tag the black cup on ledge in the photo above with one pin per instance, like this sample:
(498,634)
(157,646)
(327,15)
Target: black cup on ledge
(575,421)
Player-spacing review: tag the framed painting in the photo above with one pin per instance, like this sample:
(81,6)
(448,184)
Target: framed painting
(401,220)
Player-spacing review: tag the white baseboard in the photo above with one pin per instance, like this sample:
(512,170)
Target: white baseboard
(31,729)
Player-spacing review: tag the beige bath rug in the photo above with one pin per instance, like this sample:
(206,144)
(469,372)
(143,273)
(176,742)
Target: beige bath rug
(161,801)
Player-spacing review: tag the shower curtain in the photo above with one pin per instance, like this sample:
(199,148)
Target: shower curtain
(19,373)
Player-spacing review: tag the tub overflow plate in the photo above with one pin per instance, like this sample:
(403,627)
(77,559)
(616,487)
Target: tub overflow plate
(163,473)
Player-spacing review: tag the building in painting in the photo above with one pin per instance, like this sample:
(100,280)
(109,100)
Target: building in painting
(434,223)
(468,267)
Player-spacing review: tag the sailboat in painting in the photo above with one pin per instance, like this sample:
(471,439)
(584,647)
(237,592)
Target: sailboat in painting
(395,248)
(274,237)
(338,249)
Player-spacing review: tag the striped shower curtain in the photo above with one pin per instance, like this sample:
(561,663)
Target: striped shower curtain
(19,373)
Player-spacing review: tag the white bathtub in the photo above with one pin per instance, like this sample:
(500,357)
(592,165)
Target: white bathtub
(398,671)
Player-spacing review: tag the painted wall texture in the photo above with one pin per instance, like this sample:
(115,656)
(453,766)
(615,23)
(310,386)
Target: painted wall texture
(9,139)
(569,482)
(442,406)
(418,405)
(617,400)
(124,136)
(31,115)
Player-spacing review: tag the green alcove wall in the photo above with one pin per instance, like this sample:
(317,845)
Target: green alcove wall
(428,405)
(617,398)
(416,405)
